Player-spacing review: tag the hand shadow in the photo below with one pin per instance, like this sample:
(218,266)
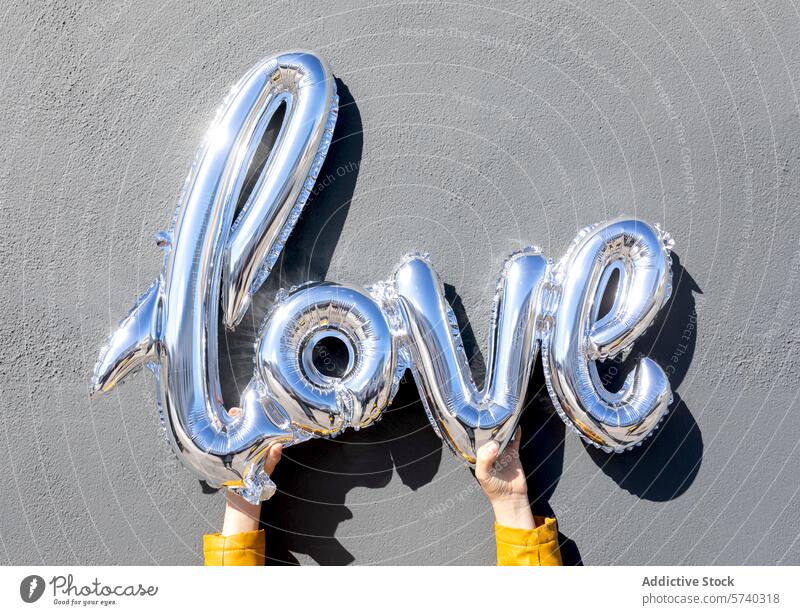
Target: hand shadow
(542,456)
(314,479)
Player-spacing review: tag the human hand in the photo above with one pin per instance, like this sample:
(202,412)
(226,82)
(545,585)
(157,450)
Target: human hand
(241,515)
(504,482)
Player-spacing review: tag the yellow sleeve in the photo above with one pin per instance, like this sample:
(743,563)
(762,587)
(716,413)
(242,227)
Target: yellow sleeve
(536,547)
(244,549)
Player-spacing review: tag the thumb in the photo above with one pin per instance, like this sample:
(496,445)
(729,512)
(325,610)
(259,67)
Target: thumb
(273,457)
(487,455)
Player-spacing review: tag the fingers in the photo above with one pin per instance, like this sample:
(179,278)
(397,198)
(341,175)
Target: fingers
(273,457)
(487,455)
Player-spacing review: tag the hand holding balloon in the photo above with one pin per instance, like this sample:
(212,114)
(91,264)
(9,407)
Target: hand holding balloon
(504,482)
(241,515)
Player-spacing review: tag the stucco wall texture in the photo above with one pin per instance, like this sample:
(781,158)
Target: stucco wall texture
(466,131)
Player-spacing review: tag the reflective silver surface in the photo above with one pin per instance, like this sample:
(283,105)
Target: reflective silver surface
(313,401)
(577,338)
(285,183)
(465,417)
(215,256)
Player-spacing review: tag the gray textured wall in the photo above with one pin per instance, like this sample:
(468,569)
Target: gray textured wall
(466,132)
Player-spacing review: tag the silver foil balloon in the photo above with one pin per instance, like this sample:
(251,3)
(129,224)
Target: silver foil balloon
(173,328)
(218,254)
(465,417)
(312,400)
(576,338)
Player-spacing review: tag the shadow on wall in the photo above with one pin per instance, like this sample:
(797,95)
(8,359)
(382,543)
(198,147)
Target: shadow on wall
(666,464)
(310,247)
(542,456)
(315,478)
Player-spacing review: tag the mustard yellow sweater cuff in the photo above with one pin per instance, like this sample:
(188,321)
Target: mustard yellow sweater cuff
(244,549)
(515,547)
(536,547)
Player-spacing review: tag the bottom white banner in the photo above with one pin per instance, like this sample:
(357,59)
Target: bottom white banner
(129,589)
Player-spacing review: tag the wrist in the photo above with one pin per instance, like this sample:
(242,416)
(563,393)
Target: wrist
(240,515)
(513,511)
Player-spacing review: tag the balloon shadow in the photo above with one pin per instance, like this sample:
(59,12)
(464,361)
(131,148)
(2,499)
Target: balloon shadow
(314,479)
(666,464)
(472,349)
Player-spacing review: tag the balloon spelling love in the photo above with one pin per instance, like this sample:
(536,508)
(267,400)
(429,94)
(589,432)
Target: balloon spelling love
(214,256)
